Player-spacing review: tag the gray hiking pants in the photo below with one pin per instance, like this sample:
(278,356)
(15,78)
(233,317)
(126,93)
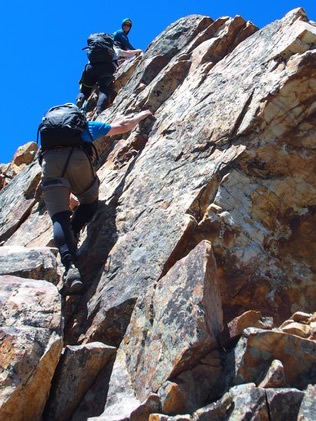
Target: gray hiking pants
(79,178)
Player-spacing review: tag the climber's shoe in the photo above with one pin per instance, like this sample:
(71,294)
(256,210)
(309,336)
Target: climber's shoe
(72,284)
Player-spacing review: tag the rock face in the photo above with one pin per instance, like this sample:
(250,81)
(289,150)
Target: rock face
(78,368)
(30,344)
(199,265)
(24,155)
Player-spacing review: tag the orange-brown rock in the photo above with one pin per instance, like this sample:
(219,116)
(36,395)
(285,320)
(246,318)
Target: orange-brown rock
(23,156)
(298,329)
(77,370)
(30,346)
(257,349)
(275,376)
(172,399)
(250,318)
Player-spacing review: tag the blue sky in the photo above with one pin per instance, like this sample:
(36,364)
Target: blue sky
(41,44)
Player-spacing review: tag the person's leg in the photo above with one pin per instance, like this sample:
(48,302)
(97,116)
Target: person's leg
(80,99)
(104,73)
(102,103)
(87,83)
(65,242)
(63,238)
(56,192)
(82,215)
(56,199)
(106,88)
(85,185)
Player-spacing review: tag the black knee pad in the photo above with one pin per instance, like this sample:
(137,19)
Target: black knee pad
(82,215)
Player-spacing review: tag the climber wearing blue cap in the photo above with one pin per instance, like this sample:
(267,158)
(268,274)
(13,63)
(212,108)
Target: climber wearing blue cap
(120,36)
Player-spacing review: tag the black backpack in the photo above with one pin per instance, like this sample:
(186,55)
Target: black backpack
(100,48)
(62,125)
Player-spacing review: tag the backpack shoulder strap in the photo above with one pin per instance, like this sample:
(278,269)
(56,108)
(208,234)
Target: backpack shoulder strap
(67,162)
(37,136)
(90,135)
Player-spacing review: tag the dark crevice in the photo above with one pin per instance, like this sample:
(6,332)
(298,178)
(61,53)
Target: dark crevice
(268,406)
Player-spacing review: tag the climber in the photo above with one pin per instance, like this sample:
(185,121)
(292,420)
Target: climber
(93,75)
(97,75)
(101,76)
(104,58)
(69,169)
(120,36)
(98,71)
(89,80)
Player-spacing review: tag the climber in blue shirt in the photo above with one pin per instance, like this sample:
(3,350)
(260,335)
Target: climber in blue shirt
(96,129)
(120,37)
(68,170)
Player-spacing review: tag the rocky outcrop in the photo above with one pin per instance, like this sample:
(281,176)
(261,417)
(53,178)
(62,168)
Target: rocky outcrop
(199,265)
(18,200)
(31,344)
(24,155)
(26,262)
(78,368)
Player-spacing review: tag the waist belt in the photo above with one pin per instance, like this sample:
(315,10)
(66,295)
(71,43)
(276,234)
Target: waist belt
(60,147)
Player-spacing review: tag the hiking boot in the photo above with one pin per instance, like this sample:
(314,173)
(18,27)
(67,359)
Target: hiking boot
(80,100)
(72,284)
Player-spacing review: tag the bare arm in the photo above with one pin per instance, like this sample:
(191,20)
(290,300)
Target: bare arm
(128,123)
(130,53)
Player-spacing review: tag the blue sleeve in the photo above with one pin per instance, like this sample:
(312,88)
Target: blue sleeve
(118,36)
(129,46)
(123,40)
(96,129)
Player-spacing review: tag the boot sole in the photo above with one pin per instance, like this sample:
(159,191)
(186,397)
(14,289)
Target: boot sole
(75,288)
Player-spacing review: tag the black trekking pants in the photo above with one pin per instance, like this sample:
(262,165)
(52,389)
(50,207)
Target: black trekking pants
(66,233)
(100,74)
